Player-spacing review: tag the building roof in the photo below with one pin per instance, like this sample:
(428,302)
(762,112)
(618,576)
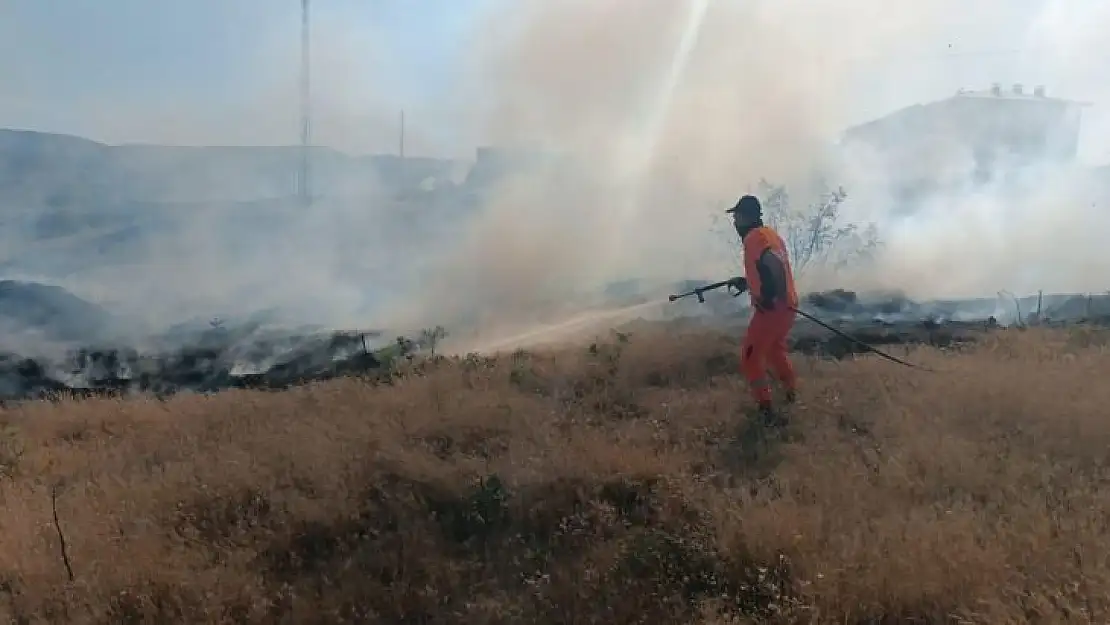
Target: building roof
(1016,93)
(913,114)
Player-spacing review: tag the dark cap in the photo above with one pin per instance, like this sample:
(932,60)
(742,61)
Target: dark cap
(747,206)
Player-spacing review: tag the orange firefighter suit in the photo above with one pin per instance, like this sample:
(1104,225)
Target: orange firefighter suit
(773,296)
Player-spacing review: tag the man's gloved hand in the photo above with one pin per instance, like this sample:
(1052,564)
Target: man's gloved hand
(739,283)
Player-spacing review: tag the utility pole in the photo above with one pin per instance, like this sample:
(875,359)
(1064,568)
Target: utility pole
(304,188)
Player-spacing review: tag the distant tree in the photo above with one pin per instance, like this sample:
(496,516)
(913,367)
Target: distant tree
(815,234)
(430,338)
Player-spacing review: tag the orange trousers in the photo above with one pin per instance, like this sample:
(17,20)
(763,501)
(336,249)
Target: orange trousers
(765,346)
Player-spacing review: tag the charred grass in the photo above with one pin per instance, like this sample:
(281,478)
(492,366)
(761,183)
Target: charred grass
(620,483)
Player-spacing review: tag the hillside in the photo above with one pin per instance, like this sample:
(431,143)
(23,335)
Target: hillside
(58,187)
(617,484)
(95,217)
(61,170)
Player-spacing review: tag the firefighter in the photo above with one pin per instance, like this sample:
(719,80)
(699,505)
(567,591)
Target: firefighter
(774,298)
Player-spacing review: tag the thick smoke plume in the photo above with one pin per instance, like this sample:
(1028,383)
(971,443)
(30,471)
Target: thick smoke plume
(668,136)
(210,232)
(650,117)
(1044,228)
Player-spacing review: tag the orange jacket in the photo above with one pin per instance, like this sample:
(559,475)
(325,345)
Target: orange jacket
(767,268)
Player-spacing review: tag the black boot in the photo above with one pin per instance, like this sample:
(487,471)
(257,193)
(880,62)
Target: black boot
(769,417)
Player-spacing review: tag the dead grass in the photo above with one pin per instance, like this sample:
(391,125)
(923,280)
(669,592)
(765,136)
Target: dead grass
(613,485)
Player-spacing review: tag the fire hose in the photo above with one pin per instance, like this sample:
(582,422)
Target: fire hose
(737,286)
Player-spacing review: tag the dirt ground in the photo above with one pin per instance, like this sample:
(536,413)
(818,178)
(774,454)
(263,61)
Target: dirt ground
(615,483)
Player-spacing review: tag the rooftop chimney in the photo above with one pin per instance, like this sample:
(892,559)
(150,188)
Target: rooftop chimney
(1038,91)
(996,89)
(1017,88)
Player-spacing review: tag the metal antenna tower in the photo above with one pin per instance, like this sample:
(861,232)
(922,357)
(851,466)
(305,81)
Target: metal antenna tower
(304,188)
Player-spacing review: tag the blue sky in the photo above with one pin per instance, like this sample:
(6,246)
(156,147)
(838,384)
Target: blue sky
(146,45)
(59,57)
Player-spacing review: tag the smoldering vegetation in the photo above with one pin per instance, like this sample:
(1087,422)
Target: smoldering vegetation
(60,345)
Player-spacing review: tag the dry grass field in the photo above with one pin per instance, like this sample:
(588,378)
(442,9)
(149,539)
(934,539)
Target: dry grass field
(620,484)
